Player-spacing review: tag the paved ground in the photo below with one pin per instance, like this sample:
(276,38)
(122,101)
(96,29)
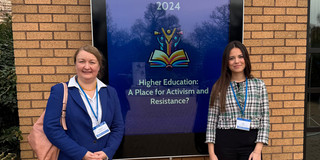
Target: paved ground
(313,146)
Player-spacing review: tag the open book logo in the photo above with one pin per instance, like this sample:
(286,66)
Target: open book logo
(169,56)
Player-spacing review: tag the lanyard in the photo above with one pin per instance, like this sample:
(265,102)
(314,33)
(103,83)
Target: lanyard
(95,115)
(245,101)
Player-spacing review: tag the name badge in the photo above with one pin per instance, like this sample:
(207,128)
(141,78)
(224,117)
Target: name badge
(101,130)
(243,124)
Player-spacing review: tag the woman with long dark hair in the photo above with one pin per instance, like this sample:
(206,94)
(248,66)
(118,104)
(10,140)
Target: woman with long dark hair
(238,118)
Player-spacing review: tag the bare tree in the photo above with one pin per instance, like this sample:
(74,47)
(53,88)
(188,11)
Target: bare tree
(210,33)
(153,20)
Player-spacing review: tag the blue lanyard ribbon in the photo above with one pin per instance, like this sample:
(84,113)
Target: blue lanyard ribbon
(95,115)
(245,101)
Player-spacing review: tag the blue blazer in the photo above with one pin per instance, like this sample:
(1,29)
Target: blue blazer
(79,138)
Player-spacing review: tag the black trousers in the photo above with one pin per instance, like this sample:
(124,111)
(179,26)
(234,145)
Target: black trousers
(234,144)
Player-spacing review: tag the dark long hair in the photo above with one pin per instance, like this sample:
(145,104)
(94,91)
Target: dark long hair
(219,89)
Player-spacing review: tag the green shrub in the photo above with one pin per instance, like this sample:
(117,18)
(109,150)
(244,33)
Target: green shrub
(9,141)
(6,43)
(10,135)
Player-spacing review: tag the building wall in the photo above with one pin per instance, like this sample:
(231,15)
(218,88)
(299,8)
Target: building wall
(47,32)
(5,8)
(275,32)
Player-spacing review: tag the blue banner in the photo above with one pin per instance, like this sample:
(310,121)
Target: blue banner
(163,58)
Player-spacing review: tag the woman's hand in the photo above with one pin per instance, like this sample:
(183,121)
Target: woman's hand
(95,156)
(255,156)
(213,157)
(101,155)
(89,156)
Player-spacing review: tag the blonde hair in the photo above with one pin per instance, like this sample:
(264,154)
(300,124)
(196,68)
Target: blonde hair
(93,50)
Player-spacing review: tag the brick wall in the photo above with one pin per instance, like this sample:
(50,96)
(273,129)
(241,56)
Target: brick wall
(275,32)
(47,32)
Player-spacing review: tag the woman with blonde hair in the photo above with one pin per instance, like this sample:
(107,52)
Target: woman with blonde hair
(93,114)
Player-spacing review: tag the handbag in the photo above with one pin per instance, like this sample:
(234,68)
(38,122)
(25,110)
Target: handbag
(38,140)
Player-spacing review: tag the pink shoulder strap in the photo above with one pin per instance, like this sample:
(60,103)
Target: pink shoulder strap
(64,107)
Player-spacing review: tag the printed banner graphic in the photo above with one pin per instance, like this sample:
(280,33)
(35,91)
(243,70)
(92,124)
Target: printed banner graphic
(168,56)
(163,58)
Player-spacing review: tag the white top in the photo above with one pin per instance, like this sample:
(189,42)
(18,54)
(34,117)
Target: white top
(92,101)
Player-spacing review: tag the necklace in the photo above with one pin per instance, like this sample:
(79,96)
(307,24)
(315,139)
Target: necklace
(88,89)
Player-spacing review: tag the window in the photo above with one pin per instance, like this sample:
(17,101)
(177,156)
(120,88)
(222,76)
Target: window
(312,116)
(314,24)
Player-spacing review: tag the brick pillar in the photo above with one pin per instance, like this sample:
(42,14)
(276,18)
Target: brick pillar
(46,34)
(275,32)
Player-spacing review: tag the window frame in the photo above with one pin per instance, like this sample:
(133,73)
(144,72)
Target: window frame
(308,89)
